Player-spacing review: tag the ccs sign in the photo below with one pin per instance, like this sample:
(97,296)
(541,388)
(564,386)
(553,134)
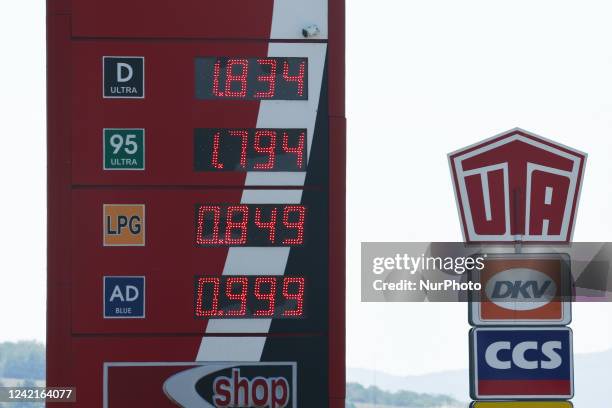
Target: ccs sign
(523,289)
(517,187)
(523,404)
(531,363)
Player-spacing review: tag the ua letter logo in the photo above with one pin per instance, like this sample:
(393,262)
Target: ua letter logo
(517,187)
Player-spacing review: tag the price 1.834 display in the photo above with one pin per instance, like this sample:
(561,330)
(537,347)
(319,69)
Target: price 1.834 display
(250,225)
(278,297)
(249,150)
(280,78)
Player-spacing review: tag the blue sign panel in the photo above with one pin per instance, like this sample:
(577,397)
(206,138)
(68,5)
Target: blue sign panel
(124,297)
(517,363)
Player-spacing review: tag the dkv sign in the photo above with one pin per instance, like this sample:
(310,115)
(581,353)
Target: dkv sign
(522,289)
(517,187)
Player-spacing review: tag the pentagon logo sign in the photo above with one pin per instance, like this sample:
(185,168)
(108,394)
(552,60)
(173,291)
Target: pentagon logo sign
(517,186)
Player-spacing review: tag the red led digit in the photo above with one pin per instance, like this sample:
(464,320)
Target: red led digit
(244,143)
(241,296)
(298,225)
(297,150)
(214,310)
(298,78)
(233,77)
(216,78)
(297,294)
(270,225)
(270,150)
(270,296)
(215,153)
(270,79)
(200,233)
(240,225)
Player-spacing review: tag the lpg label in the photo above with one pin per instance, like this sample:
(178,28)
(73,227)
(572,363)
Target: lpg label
(124,225)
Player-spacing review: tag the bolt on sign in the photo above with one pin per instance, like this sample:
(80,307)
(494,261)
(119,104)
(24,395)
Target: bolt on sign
(190,248)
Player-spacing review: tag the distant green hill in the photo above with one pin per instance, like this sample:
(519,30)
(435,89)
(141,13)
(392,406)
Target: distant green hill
(24,359)
(357,394)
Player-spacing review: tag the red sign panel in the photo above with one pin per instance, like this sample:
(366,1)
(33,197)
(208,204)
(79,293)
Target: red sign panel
(517,187)
(196,203)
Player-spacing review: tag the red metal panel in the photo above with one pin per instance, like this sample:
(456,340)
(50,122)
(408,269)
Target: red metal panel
(168,35)
(172,18)
(337,259)
(337,59)
(58,210)
(337,292)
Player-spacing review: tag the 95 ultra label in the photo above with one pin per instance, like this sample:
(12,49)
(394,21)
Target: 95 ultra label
(124,149)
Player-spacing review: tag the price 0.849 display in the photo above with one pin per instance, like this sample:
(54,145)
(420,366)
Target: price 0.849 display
(250,225)
(250,150)
(249,297)
(280,78)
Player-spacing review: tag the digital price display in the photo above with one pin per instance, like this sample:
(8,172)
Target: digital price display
(249,150)
(250,225)
(271,297)
(281,78)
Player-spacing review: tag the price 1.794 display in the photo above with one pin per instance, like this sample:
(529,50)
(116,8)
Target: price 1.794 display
(249,150)
(280,78)
(269,297)
(250,224)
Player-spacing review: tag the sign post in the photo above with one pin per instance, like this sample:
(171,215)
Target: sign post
(519,188)
(196,250)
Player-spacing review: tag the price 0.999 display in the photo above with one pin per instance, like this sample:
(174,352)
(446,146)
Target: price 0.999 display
(281,78)
(250,150)
(250,224)
(249,297)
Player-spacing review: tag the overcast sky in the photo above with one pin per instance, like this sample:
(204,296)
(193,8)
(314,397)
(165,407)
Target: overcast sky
(425,77)
(428,77)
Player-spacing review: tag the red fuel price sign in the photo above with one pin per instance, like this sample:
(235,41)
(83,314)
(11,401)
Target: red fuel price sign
(196,203)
